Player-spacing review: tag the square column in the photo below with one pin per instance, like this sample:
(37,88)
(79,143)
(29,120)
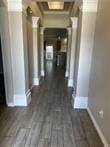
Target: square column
(42,50)
(68,52)
(86,27)
(72,52)
(19,47)
(36,50)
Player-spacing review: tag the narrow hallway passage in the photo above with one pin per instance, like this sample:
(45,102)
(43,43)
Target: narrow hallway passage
(49,121)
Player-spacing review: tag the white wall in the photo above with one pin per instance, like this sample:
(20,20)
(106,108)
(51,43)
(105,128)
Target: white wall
(85,53)
(15,23)
(99,90)
(36,51)
(5,39)
(30,50)
(25,46)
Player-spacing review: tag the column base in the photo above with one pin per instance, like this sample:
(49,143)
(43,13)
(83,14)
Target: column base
(22,99)
(80,102)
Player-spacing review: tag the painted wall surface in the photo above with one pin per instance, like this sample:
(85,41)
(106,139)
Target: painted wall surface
(36,52)
(39,52)
(15,23)
(30,50)
(85,53)
(25,46)
(5,39)
(99,90)
(77,50)
(72,57)
(57,21)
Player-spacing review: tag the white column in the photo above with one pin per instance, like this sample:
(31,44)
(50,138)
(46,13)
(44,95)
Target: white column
(68,52)
(88,12)
(73,49)
(35,21)
(18,37)
(42,50)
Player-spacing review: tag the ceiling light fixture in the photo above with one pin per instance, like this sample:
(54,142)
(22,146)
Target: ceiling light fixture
(56,5)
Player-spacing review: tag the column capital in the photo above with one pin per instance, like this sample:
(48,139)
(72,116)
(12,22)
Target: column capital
(15,5)
(74,22)
(35,22)
(42,30)
(89,6)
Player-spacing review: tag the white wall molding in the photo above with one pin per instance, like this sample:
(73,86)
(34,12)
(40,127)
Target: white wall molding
(35,22)
(89,6)
(36,81)
(42,73)
(66,74)
(70,82)
(74,22)
(80,102)
(22,99)
(15,5)
(104,141)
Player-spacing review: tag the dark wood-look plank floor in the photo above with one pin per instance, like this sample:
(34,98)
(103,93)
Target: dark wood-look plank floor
(50,120)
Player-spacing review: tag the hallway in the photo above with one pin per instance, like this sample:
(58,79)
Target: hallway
(49,120)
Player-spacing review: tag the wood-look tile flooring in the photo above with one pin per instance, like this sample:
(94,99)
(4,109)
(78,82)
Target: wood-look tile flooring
(50,120)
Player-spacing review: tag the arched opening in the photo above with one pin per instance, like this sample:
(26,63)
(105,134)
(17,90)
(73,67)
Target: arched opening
(55,47)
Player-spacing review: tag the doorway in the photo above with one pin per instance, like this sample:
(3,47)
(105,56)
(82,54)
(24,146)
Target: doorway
(55,47)
(2,83)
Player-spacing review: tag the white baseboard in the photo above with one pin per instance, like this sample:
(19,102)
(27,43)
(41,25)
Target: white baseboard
(70,82)
(66,74)
(36,81)
(10,104)
(80,102)
(98,128)
(22,99)
(42,73)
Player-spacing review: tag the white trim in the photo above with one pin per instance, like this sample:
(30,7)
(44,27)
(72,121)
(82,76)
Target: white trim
(90,6)
(35,22)
(42,73)
(36,81)
(22,99)
(66,74)
(74,22)
(42,30)
(70,82)
(104,141)
(80,102)
(10,104)
(69,31)
(15,5)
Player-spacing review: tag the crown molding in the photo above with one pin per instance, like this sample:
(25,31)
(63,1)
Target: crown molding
(35,21)
(74,22)
(89,6)
(15,5)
